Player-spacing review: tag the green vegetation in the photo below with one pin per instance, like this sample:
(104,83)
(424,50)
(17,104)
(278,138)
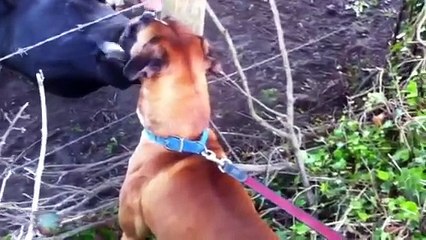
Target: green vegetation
(100,233)
(372,166)
(369,172)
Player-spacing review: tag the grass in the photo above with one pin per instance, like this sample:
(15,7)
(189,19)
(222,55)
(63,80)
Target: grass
(369,172)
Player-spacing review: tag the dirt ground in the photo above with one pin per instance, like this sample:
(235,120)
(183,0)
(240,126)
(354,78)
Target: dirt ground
(320,90)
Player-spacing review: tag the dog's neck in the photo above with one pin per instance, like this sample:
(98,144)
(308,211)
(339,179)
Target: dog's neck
(179,108)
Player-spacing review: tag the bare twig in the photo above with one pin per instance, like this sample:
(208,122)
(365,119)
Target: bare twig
(266,167)
(3,139)
(273,58)
(348,210)
(75,140)
(420,25)
(248,95)
(74,195)
(243,76)
(226,142)
(11,127)
(40,166)
(3,184)
(294,137)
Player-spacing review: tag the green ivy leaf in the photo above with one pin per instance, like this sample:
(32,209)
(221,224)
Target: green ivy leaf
(410,207)
(300,228)
(340,164)
(412,89)
(382,175)
(387,124)
(402,154)
(363,216)
(356,204)
(324,187)
(269,96)
(282,235)
(396,47)
(300,202)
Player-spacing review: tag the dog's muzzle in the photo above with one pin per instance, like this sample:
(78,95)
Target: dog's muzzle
(129,35)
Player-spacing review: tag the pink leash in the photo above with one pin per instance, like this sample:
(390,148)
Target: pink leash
(293,210)
(286,205)
(226,166)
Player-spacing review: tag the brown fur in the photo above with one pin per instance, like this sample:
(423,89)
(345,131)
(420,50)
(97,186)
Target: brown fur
(174,195)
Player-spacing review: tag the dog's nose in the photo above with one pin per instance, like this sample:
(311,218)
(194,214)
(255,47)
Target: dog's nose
(147,17)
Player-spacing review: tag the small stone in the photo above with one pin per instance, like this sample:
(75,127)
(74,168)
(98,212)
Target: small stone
(331,9)
(48,223)
(361,30)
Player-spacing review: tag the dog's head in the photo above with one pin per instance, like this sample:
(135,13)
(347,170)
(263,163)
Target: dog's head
(157,47)
(171,63)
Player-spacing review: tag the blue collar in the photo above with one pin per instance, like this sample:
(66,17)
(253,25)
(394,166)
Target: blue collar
(178,144)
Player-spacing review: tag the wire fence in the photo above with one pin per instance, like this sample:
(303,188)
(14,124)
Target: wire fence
(80,27)
(71,201)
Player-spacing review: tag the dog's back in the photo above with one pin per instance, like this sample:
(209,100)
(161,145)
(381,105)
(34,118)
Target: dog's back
(178,195)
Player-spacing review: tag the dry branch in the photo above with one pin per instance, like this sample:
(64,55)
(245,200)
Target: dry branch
(3,139)
(243,76)
(273,58)
(294,138)
(40,166)
(12,127)
(14,214)
(3,184)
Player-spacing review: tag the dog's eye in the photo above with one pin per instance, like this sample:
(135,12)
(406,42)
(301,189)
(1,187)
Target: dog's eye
(156,62)
(132,30)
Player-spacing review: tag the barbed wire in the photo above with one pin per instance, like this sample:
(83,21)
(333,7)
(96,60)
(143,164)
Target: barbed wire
(79,27)
(257,64)
(68,199)
(277,56)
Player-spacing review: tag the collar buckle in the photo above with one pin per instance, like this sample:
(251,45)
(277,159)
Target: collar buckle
(173,141)
(179,144)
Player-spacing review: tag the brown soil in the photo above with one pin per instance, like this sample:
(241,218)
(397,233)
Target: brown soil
(320,89)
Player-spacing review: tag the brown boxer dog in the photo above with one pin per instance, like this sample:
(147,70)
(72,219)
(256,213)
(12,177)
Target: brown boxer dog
(175,195)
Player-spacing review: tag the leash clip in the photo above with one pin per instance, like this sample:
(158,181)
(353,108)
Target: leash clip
(211,156)
(225,166)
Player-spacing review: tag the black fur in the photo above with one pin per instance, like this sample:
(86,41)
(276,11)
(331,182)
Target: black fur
(73,65)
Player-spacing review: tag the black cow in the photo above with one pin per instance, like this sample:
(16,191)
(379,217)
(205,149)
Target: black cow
(74,65)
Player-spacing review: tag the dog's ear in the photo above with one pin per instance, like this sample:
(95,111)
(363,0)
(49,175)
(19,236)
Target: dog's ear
(147,63)
(213,65)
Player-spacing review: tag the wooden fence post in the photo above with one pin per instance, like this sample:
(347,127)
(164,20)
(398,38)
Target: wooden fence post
(190,12)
